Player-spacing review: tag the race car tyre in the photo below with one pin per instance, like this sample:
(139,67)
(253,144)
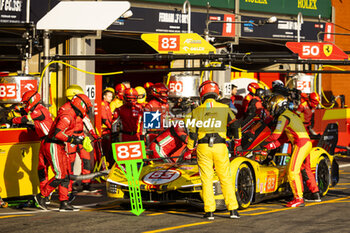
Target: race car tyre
(323,175)
(244,186)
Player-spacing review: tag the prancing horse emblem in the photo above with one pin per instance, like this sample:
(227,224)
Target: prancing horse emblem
(327,49)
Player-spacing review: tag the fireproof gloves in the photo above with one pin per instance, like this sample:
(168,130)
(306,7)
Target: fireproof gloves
(87,144)
(76,140)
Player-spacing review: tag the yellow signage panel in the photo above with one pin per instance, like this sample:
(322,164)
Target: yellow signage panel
(178,43)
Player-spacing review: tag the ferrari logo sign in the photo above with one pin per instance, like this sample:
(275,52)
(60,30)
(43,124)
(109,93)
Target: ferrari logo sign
(327,49)
(178,43)
(317,51)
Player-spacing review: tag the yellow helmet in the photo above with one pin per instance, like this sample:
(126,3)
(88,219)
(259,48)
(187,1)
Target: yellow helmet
(277,104)
(141,94)
(73,90)
(110,89)
(7,105)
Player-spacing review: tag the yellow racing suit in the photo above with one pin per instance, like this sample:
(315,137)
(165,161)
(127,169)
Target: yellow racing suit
(293,126)
(208,126)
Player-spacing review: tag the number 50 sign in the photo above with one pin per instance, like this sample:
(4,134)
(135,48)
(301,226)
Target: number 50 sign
(126,151)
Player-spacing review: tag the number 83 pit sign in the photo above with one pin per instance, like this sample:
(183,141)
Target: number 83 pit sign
(129,155)
(128,151)
(179,43)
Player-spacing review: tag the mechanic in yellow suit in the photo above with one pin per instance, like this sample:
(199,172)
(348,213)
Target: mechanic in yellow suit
(208,127)
(293,126)
(141,99)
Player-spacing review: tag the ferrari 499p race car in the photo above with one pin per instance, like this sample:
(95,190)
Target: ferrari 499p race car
(255,179)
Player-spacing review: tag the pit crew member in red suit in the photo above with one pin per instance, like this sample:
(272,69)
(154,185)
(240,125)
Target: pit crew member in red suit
(42,124)
(118,99)
(72,149)
(159,102)
(61,132)
(130,116)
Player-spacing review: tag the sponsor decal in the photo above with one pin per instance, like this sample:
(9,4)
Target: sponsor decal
(161,177)
(151,120)
(307,4)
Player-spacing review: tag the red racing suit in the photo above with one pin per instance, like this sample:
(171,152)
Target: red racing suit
(305,113)
(130,115)
(255,109)
(169,144)
(292,125)
(42,124)
(73,149)
(153,106)
(107,119)
(61,131)
(106,116)
(246,102)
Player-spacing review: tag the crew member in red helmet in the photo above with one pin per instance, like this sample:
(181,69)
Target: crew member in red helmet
(306,110)
(118,100)
(147,87)
(42,124)
(130,117)
(61,132)
(159,102)
(211,149)
(73,149)
(252,88)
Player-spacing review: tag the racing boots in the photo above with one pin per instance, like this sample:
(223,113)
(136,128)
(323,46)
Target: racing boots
(209,215)
(313,197)
(66,207)
(40,201)
(71,197)
(234,214)
(296,202)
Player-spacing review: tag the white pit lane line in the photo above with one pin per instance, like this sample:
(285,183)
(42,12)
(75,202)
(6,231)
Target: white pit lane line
(49,210)
(27,212)
(344,165)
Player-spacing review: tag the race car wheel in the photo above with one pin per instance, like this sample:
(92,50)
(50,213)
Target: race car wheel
(323,176)
(244,186)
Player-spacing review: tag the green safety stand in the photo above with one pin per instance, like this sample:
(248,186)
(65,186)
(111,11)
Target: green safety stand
(130,155)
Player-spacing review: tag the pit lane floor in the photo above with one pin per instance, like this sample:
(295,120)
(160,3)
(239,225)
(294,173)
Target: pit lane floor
(101,214)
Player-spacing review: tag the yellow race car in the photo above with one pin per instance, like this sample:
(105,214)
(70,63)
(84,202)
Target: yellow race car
(255,180)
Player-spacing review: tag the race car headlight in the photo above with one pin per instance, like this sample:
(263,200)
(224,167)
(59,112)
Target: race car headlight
(112,188)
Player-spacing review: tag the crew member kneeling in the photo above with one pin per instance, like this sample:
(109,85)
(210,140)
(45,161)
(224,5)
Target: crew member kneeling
(211,148)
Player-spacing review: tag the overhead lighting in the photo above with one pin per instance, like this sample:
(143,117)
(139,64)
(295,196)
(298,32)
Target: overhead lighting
(127,14)
(272,19)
